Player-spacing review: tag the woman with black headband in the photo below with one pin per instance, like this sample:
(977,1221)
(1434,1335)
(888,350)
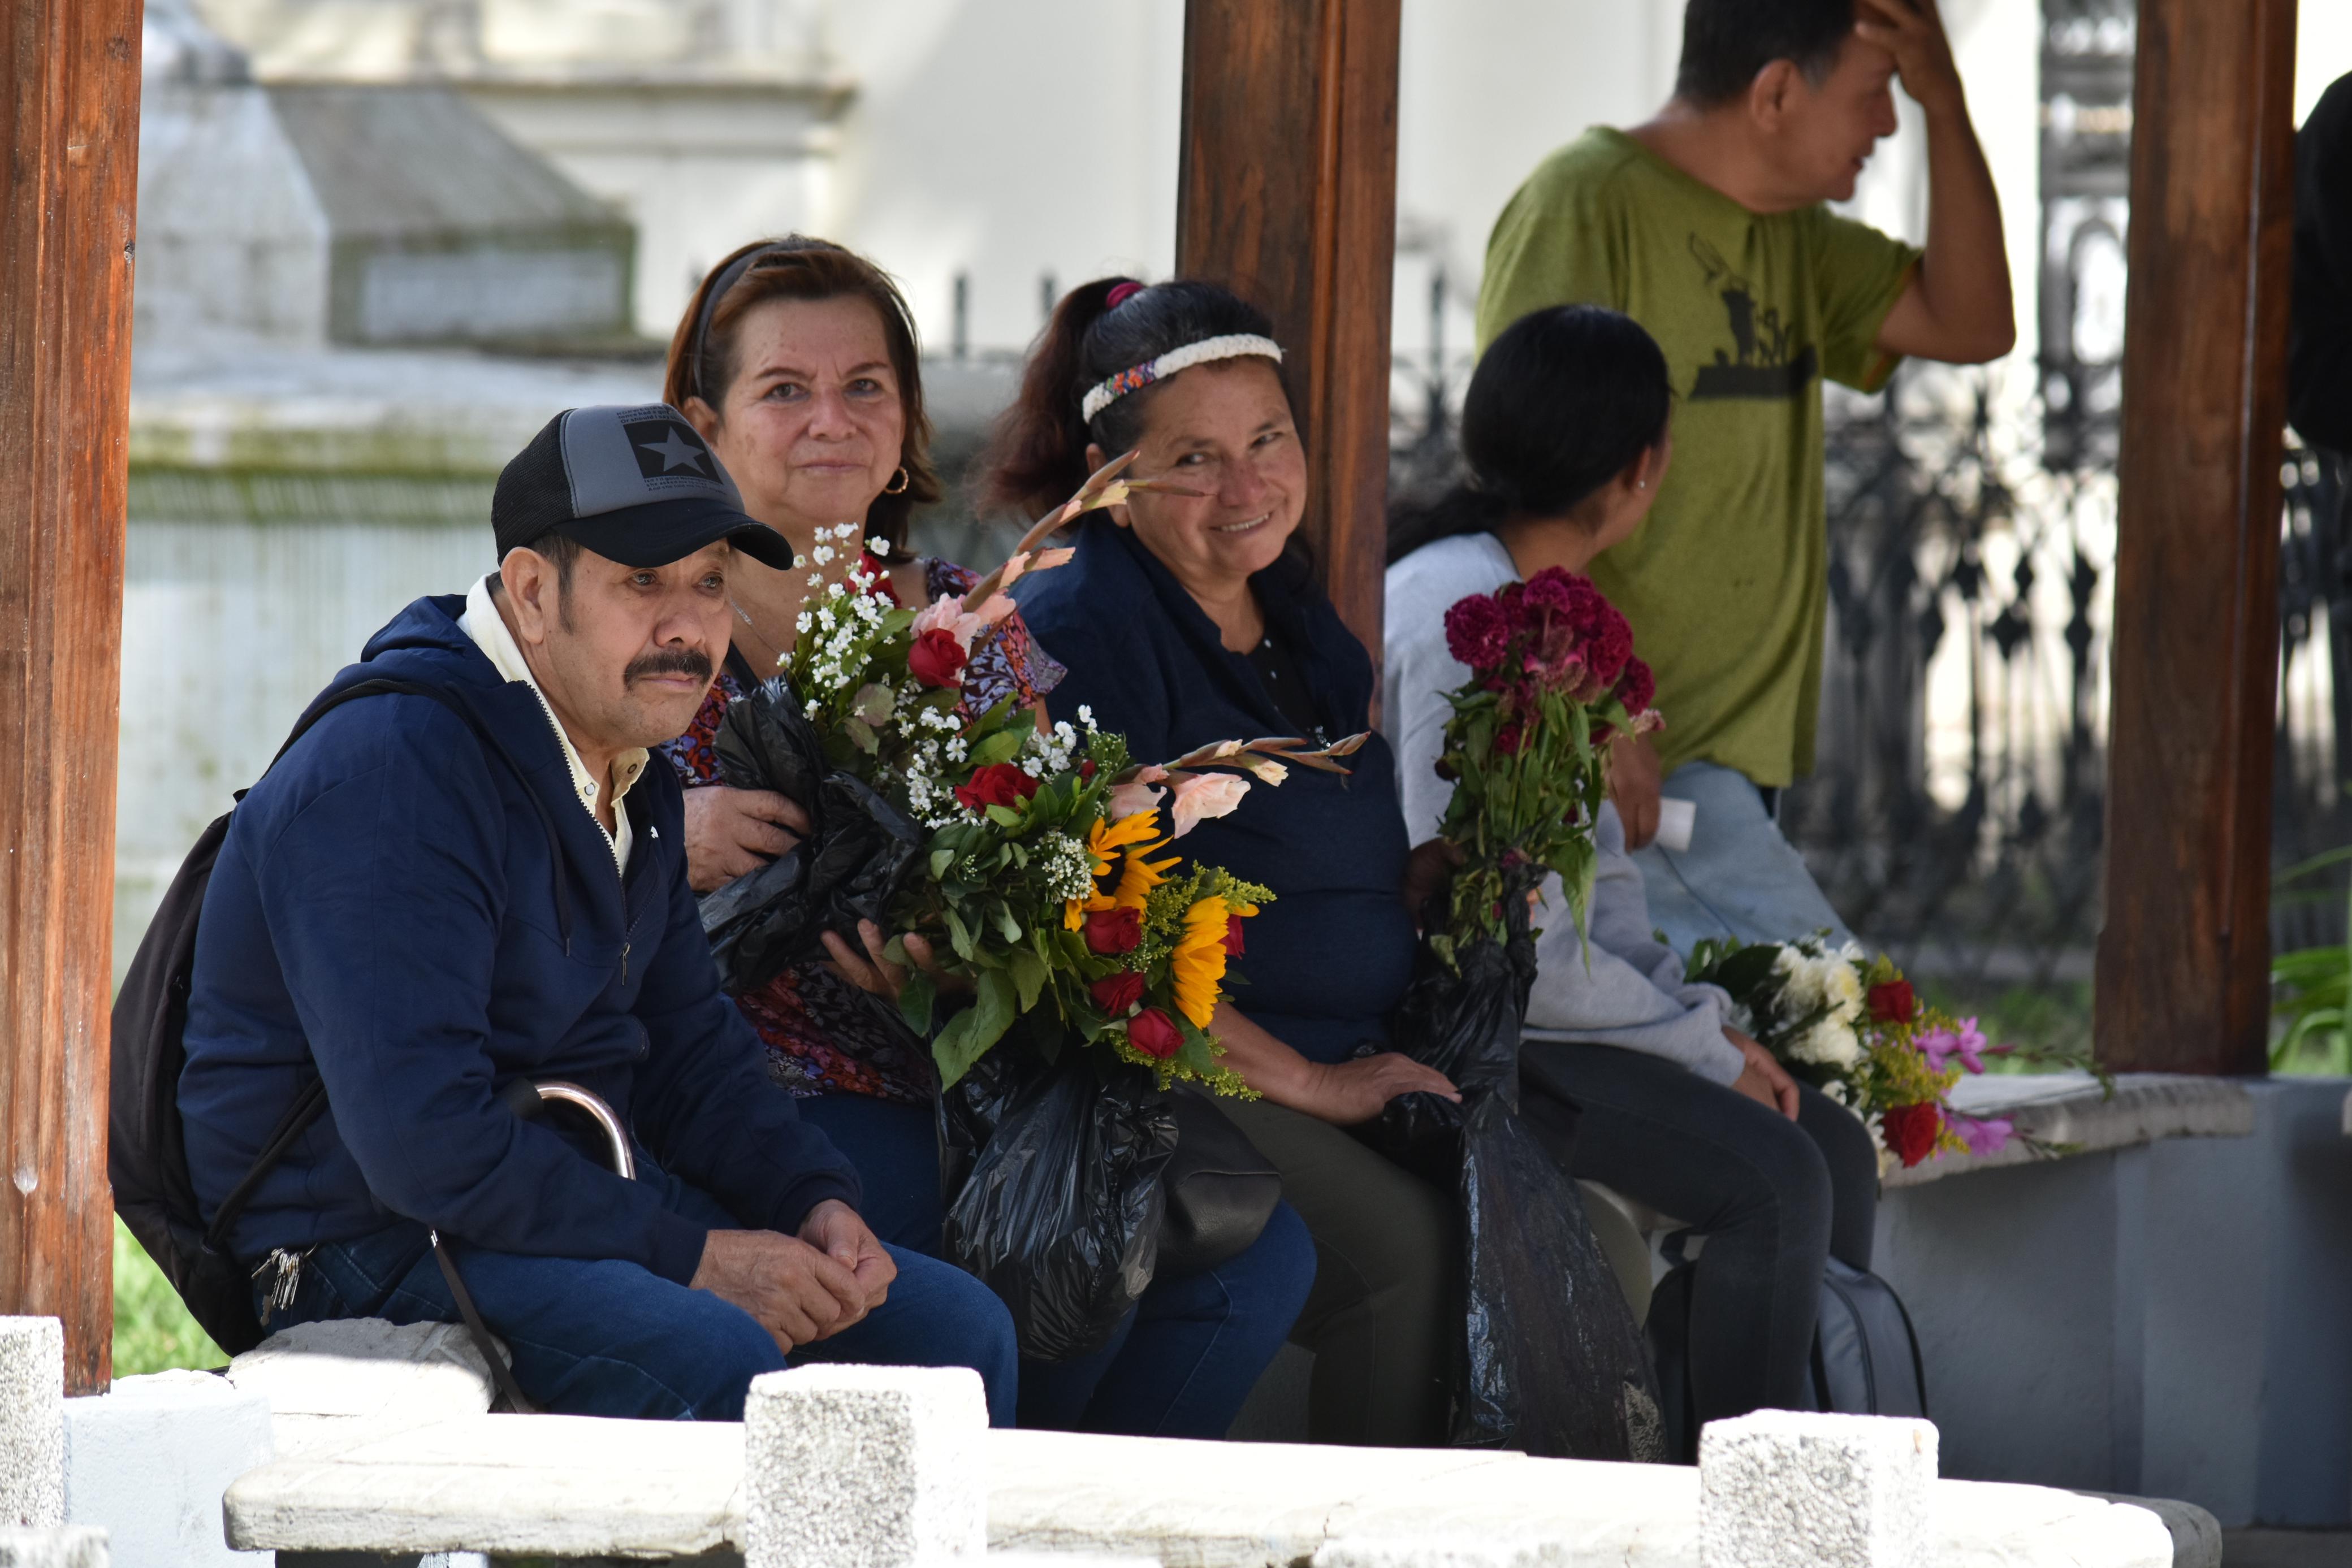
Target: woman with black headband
(797,360)
(1185,620)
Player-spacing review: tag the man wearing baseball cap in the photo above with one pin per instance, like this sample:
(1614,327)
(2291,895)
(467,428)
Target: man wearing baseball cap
(444,894)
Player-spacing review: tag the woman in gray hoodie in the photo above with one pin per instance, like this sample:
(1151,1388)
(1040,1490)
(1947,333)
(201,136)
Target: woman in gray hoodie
(1565,430)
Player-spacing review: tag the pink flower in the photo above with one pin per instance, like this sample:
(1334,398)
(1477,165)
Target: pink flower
(1940,1045)
(1201,796)
(1477,632)
(1138,794)
(1982,1137)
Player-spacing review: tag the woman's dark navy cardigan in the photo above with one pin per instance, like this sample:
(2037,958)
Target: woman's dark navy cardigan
(1330,958)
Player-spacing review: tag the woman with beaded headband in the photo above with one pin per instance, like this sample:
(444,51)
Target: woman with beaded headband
(1184,619)
(797,360)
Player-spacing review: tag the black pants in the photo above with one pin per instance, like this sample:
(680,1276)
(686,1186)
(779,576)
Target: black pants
(1773,1197)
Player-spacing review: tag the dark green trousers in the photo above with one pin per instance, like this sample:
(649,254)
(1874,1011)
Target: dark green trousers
(1382,1317)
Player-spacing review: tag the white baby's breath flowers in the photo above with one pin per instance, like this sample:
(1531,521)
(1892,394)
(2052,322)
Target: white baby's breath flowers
(1068,868)
(821,555)
(803,622)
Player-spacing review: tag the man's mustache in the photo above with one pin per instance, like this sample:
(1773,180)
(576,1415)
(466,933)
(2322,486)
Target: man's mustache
(668,662)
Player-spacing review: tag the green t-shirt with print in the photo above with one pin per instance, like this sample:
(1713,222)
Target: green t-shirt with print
(1727,584)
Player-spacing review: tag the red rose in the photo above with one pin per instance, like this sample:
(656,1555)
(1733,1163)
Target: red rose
(1087,768)
(1911,1131)
(1155,1034)
(937,659)
(1893,1002)
(998,784)
(1112,931)
(1234,937)
(1117,993)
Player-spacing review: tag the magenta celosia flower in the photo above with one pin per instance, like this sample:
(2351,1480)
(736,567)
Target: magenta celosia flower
(1637,688)
(1477,632)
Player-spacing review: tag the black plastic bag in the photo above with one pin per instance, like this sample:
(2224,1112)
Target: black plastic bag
(1053,1169)
(857,857)
(1549,1359)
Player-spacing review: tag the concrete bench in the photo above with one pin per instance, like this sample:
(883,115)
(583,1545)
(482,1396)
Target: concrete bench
(567,1486)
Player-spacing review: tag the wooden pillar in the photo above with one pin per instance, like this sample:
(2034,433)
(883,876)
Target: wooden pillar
(2183,982)
(71,87)
(1287,196)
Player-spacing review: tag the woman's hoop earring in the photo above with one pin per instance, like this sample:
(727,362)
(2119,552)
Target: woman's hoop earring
(899,482)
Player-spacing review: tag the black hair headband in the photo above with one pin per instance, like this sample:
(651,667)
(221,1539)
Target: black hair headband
(711,299)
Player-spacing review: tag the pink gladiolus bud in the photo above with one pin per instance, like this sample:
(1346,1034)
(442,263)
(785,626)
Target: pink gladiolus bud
(1126,799)
(1201,796)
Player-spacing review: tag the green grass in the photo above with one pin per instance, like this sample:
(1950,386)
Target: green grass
(153,1331)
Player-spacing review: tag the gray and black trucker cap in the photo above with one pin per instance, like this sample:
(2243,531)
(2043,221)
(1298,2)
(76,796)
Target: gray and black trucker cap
(637,486)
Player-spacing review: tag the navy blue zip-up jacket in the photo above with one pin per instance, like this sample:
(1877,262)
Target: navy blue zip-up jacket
(1329,959)
(388,913)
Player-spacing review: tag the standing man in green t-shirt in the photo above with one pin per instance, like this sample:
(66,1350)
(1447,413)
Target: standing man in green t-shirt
(1708,224)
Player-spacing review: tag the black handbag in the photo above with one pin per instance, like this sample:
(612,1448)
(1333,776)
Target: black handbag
(1221,1190)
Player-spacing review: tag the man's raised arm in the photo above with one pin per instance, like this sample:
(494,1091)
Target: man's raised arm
(1957,308)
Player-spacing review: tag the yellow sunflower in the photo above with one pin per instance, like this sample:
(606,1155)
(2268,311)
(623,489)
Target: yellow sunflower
(1105,839)
(1198,962)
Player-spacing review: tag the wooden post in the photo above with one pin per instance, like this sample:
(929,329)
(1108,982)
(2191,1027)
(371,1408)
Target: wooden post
(1286,194)
(72,129)
(2183,982)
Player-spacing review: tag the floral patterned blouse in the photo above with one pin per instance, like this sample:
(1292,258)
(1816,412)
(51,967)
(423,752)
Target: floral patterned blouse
(822,1034)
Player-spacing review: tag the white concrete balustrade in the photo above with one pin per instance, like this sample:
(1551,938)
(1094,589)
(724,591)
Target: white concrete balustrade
(879,1467)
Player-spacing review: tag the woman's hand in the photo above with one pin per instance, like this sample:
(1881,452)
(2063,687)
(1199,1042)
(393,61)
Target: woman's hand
(873,971)
(733,832)
(1426,871)
(1763,1079)
(1348,1093)
(1634,780)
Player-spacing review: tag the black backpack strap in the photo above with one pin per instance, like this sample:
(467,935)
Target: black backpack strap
(392,685)
(307,1108)
(509,1390)
(311,1102)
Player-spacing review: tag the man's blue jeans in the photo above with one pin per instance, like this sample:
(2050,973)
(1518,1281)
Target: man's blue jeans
(610,1338)
(1739,878)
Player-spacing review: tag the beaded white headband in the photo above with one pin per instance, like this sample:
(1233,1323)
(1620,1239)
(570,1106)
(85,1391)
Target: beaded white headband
(1232,347)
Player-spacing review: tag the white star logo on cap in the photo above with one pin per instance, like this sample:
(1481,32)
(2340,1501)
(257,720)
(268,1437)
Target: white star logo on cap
(676,451)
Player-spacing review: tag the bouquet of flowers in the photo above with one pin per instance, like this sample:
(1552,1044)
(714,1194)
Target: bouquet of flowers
(1851,1026)
(1552,680)
(1039,866)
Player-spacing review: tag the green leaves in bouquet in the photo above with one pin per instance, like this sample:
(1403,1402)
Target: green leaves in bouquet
(971,1032)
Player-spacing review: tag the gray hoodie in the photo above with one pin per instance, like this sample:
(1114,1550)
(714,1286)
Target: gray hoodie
(1625,988)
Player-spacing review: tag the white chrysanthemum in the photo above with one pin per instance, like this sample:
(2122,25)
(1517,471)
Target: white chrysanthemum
(1842,987)
(1835,1090)
(1828,1042)
(1801,980)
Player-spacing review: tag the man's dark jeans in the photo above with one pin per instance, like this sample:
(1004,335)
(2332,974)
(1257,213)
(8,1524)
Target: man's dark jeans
(1773,1197)
(611,1339)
